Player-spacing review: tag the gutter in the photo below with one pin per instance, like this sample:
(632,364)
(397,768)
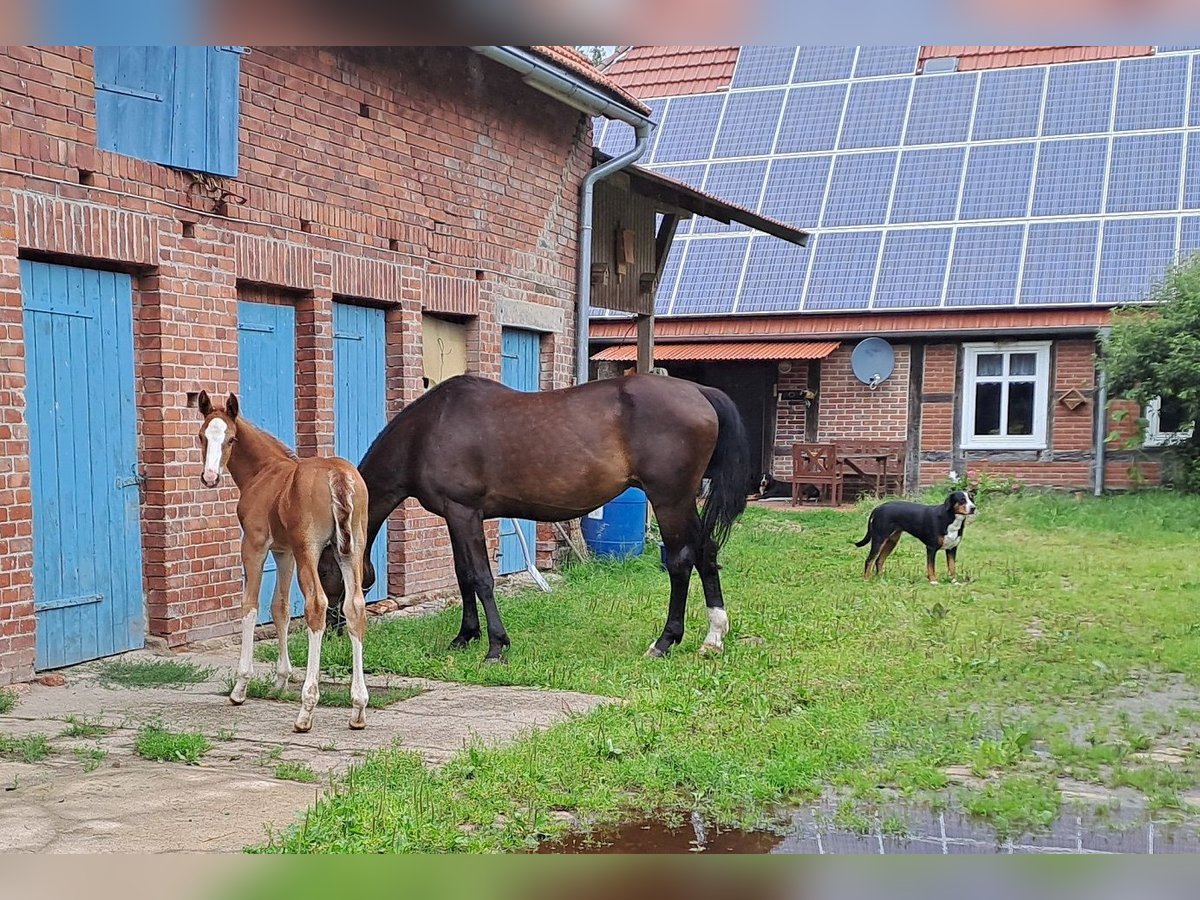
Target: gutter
(1101,420)
(575,92)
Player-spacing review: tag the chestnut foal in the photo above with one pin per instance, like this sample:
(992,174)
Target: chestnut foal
(292,508)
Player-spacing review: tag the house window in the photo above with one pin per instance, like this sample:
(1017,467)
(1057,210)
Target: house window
(1167,422)
(172,105)
(1005,389)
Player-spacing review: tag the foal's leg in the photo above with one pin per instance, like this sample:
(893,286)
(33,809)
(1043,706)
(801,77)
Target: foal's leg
(679,527)
(315,605)
(467,525)
(710,579)
(470,611)
(254,554)
(354,610)
(285,571)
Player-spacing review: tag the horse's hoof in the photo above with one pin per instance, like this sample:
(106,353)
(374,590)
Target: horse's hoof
(358,723)
(933,582)
(710,649)
(281,682)
(462,642)
(655,653)
(302,727)
(498,660)
(237,698)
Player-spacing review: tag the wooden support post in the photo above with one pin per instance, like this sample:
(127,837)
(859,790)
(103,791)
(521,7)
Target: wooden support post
(645,344)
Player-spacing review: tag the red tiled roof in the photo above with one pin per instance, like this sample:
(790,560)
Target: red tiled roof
(710,352)
(571,59)
(843,325)
(672,71)
(970,58)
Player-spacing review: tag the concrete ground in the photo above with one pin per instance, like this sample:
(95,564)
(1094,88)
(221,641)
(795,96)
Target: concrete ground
(232,797)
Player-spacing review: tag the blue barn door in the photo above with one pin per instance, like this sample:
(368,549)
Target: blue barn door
(520,367)
(87,546)
(360,401)
(267,397)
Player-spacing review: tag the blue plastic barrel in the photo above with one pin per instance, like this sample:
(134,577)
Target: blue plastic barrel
(618,528)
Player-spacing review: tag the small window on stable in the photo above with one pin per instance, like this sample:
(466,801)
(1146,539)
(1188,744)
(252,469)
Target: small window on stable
(1167,422)
(1005,392)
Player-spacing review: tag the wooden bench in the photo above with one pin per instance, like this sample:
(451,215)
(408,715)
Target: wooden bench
(877,465)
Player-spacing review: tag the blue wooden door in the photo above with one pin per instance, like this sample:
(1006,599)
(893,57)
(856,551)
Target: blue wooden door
(87,547)
(360,401)
(520,368)
(267,396)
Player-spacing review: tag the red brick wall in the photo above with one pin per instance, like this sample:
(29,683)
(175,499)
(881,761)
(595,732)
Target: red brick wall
(790,417)
(848,409)
(458,171)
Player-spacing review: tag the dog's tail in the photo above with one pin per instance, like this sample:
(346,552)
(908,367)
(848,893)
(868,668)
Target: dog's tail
(866,538)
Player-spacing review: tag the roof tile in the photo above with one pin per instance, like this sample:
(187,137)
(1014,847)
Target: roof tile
(571,59)
(672,71)
(970,58)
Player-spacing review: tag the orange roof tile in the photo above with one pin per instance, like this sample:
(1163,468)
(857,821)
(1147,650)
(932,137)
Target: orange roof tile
(711,352)
(672,71)
(841,325)
(571,59)
(970,58)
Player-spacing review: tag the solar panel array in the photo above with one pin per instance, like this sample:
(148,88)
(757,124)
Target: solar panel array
(1075,183)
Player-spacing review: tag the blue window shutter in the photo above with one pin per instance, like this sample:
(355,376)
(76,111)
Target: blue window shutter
(189,139)
(134,98)
(224,67)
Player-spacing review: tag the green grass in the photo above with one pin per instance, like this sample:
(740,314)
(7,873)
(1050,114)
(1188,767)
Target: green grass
(826,681)
(151,673)
(8,700)
(85,728)
(27,749)
(91,757)
(331,695)
(154,742)
(294,771)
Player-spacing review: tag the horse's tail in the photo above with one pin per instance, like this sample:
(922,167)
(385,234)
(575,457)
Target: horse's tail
(728,470)
(341,492)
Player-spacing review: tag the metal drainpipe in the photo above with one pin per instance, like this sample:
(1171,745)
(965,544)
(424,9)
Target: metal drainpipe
(583,278)
(1101,420)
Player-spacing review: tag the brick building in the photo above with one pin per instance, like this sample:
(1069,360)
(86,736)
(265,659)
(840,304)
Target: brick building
(981,209)
(274,221)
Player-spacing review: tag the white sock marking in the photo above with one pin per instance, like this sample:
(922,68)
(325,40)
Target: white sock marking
(246,660)
(718,627)
(311,691)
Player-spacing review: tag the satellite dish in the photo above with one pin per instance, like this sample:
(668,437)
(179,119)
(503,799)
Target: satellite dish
(872,361)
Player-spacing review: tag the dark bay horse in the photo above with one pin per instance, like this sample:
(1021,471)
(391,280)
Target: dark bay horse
(471,449)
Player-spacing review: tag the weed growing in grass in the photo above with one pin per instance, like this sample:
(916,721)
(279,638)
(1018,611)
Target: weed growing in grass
(157,743)
(28,749)
(8,700)
(225,734)
(1014,805)
(84,727)
(91,757)
(294,771)
(142,673)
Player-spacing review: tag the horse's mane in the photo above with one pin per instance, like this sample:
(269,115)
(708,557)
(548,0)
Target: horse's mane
(266,436)
(398,419)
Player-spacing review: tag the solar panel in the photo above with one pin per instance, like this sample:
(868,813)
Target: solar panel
(843,268)
(739,183)
(1009,104)
(795,189)
(1170,48)
(1144,172)
(1079,99)
(619,137)
(687,128)
(1134,254)
(1060,263)
(997,181)
(811,118)
(859,189)
(599,123)
(873,61)
(774,279)
(927,185)
(941,109)
(759,66)
(1070,177)
(823,64)
(1189,236)
(710,275)
(1194,101)
(1191,174)
(749,124)
(984,265)
(670,275)
(1151,93)
(691,174)
(913,268)
(875,113)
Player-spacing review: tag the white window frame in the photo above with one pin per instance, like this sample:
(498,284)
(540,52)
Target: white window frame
(1155,437)
(1041,396)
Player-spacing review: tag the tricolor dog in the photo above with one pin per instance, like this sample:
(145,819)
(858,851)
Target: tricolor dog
(938,527)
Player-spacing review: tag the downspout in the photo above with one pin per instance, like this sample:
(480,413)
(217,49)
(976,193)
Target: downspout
(1101,419)
(582,96)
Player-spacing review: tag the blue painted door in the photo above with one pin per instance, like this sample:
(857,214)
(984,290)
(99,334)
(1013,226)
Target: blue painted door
(267,397)
(360,401)
(87,547)
(520,368)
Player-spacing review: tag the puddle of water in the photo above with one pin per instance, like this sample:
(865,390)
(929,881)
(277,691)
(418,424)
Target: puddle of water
(811,831)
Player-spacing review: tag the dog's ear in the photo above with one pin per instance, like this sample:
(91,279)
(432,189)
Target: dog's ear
(950,501)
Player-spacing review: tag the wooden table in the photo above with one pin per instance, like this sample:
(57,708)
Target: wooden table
(880,474)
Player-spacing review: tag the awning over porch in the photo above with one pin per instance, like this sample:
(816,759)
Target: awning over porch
(723,352)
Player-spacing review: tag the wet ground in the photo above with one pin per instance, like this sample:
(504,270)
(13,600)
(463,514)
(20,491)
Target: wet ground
(811,831)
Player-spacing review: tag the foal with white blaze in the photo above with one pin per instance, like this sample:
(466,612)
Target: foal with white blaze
(292,508)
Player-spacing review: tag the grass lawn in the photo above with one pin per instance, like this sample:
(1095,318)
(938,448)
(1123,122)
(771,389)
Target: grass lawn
(1053,659)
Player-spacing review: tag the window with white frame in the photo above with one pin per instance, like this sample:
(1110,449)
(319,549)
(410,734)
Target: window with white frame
(1005,392)
(1167,422)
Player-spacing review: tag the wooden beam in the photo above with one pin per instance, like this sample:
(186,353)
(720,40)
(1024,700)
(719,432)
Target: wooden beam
(662,242)
(645,324)
(645,344)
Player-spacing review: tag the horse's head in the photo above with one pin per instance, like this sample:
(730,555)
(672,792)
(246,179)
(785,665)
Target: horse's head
(217,436)
(331,576)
